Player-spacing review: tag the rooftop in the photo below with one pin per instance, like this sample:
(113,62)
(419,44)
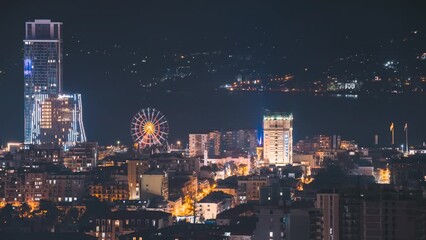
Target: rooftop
(45,236)
(215,197)
(122,215)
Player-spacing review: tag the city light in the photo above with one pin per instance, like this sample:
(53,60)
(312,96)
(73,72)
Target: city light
(272,131)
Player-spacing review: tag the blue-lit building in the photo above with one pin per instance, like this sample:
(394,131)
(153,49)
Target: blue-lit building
(50,116)
(42,66)
(57,120)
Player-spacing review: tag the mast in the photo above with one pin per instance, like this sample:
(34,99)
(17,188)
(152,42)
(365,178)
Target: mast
(406,138)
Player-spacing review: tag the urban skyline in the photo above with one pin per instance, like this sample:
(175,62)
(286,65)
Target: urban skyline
(240,120)
(93,59)
(44,33)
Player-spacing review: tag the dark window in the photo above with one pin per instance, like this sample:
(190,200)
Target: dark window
(55,31)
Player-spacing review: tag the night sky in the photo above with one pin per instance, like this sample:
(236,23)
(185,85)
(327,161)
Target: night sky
(308,33)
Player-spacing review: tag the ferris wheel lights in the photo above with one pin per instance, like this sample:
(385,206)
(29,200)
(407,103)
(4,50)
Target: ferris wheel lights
(149,128)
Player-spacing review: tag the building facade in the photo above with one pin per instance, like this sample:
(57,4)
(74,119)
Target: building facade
(50,116)
(214,147)
(42,65)
(66,187)
(82,157)
(381,213)
(35,188)
(109,192)
(135,169)
(198,143)
(278,138)
(329,203)
(57,120)
(154,183)
(119,223)
(249,188)
(238,141)
(277,223)
(213,204)
(223,143)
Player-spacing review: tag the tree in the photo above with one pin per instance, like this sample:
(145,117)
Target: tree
(49,211)
(24,210)
(6,214)
(94,208)
(73,215)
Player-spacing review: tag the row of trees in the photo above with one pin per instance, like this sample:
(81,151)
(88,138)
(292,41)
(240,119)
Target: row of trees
(49,217)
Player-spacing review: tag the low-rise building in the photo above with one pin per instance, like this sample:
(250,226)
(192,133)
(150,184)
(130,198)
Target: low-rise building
(67,187)
(40,154)
(13,182)
(82,157)
(274,194)
(185,184)
(109,192)
(154,183)
(213,204)
(118,223)
(249,187)
(35,187)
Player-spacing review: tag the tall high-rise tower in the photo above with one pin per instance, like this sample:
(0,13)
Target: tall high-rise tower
(42,65)
(51,117)
(278,138)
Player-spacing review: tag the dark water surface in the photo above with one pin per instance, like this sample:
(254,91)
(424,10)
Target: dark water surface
(198,112)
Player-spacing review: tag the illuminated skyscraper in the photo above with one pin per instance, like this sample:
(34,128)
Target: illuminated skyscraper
(57,119)
(50,116)
(278,138)
(42,65)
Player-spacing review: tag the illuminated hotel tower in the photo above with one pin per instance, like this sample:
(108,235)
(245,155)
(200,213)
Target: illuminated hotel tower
(277,138)
(42,65)
(50,116)
(57,120)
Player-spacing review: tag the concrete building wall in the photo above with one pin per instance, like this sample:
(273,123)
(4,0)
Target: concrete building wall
(278,139)
(135,169)
(156,184)
(198,143)
(329,203)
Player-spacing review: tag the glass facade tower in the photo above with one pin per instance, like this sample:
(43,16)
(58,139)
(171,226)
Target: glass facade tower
(51,117)
(42,66)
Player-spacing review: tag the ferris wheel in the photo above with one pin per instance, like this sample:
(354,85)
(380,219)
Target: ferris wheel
(149,128)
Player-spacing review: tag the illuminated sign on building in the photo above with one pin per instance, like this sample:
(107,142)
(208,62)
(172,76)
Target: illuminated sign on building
(28,67)
(286,145)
